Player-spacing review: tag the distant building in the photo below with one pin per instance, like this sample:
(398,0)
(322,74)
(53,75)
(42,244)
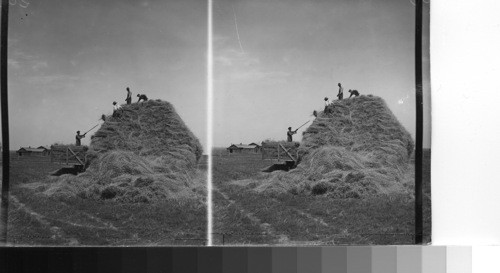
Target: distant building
(29,151)
(251,148)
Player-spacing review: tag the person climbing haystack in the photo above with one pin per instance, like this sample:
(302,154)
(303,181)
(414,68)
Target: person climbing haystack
(116,108)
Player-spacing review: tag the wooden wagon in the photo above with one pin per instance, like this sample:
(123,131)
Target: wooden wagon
(69,155)
(286,153)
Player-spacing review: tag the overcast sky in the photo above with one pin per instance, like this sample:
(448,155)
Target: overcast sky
(276,60)
(69,60)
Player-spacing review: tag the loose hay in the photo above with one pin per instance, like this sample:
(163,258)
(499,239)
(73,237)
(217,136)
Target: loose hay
(147,154)
(355,148)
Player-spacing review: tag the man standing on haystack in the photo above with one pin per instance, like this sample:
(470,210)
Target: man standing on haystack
(79,138)
(340,95)
(129,96)
(290,133)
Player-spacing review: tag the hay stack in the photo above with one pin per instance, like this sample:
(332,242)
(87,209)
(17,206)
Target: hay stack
(146,154)
(355,148)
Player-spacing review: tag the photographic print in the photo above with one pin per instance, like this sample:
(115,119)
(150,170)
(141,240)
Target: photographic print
(107,106)
(315,122)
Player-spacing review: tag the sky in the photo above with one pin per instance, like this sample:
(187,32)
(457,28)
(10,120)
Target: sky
(69,60)
(275,61)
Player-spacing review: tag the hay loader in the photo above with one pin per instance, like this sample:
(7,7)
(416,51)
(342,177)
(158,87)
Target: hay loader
(286,153)
(70,155)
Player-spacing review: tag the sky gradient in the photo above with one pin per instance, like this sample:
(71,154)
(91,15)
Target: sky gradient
(69,60)
(276,60)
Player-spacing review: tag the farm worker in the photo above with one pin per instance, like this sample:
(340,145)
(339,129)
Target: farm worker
(327,102)
(116,107)
(142,97)
(290,133)
(78,138)
(353,93)
(340,95)
(129,96)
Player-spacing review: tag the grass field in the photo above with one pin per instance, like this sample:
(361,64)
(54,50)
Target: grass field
(243,216)
(36,219)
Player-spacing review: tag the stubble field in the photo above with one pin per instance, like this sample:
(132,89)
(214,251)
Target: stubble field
(243,216)
(37,219)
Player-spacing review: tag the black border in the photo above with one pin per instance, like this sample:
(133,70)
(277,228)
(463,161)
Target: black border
(419,226)
(4,211)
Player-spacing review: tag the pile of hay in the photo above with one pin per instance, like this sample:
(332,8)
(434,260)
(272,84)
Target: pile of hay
(145,154)
(355,148)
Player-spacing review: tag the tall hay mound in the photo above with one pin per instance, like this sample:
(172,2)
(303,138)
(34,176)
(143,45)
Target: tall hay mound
(355,148)
(151,128)
(146,154)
